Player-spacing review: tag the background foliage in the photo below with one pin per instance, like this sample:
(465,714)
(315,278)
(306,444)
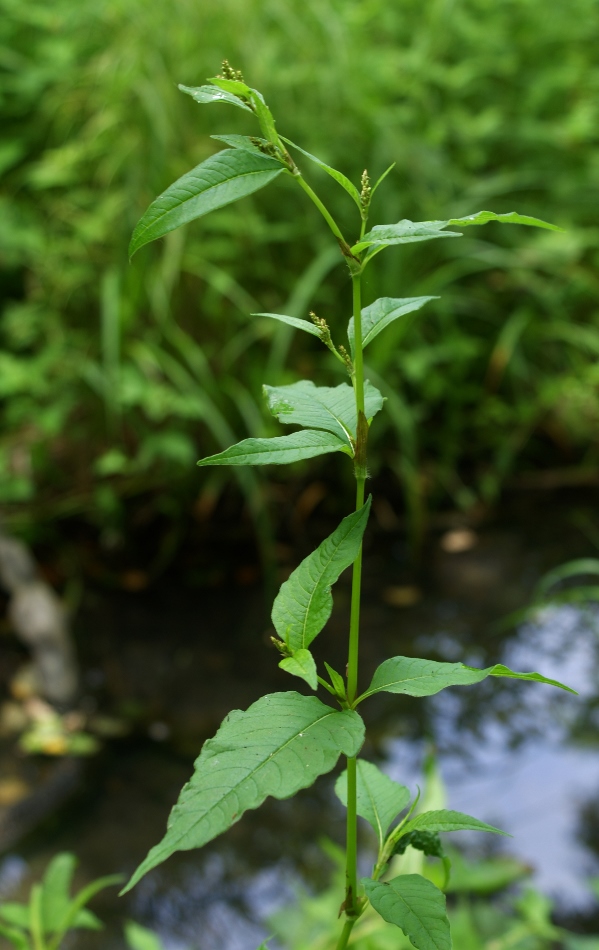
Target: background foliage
(115,378)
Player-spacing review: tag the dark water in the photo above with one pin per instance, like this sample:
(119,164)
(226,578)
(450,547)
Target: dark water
(524,757)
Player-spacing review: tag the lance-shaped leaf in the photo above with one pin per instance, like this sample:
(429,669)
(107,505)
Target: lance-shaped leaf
(280,450)
(381,313)
(339,177)
(282,743)
(296,322)
(204,94)
(414,905)
(444,820)
(404,232)
(304,602)
(416,677)
(218,181)
(380,799)
(301,664)
(322,407)
(511,217)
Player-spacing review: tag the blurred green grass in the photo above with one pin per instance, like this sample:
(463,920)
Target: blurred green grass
(115,378)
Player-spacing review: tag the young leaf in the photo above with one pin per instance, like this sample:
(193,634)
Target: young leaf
(204,94)
(381,179)
(339,177)
(218,181)
(246,143)
(444,820)
(383,312)
(415,677)
(282,743)
(415,906)
(304,602)
(301,664)
(322,407)
(140,938)
(281,450)
(292,321)
(337,681)
(380,799)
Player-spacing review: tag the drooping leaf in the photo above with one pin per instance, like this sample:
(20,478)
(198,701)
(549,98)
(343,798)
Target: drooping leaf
(404,232)
(301,664)
(511,217)
(247,143)
(282,743)
(304,602)
(218,181)
(339,177)
(280,450)
(414,905)
(205,94)
(416,677)
(445,820)
(296,322)
(322,407)
(380,799)
(381,313)
(140,938)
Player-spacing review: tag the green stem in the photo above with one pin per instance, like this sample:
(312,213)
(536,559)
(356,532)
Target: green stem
(358,360)
(354,625)
(351,841)
(347,929)
(324,212)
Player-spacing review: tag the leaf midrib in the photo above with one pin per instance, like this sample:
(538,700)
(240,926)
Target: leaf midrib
(162,214)
(313,594)
(257,768)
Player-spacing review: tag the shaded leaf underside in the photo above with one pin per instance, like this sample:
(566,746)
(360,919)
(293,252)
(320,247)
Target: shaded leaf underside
(279,745)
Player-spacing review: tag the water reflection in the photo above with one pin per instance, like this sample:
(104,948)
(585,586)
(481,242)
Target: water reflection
(522,756)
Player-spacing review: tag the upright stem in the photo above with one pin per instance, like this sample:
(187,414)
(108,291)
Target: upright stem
(351,897)
(323,210)
(344,937)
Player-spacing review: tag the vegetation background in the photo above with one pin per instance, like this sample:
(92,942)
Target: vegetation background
(115,378)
